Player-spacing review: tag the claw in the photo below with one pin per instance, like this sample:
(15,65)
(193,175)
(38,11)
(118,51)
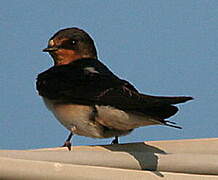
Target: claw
(67,144)
(115,141)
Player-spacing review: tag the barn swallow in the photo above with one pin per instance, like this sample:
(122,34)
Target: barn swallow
(88,99)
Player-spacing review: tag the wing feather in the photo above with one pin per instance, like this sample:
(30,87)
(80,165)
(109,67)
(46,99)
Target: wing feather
(71,84)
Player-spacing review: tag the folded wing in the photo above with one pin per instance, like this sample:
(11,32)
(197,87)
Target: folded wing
(70,84)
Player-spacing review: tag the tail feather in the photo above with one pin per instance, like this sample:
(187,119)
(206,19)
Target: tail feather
(163,107)
(169,100)
(163,111)
(171,124)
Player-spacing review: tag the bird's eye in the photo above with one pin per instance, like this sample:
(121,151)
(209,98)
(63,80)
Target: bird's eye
(73,42)
(51,43)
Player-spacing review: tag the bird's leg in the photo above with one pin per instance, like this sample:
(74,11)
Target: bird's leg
(115,141)
(67,143)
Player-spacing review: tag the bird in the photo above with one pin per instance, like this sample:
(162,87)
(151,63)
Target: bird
(89,99)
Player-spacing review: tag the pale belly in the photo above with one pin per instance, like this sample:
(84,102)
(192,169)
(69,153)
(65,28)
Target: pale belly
(98,122)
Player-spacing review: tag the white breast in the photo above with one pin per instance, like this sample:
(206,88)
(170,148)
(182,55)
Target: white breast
(76,118)
(80,119)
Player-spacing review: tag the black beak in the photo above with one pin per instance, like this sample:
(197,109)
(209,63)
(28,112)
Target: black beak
(50,49)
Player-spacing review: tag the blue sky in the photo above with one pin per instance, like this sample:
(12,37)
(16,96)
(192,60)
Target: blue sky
(162,47)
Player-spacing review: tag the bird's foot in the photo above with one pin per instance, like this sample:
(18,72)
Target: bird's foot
(115,141)
(67,144)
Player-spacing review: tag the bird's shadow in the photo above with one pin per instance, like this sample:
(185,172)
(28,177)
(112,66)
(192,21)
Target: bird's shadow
(143,153)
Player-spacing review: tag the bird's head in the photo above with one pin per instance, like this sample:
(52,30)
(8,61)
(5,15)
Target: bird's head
(68,45)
